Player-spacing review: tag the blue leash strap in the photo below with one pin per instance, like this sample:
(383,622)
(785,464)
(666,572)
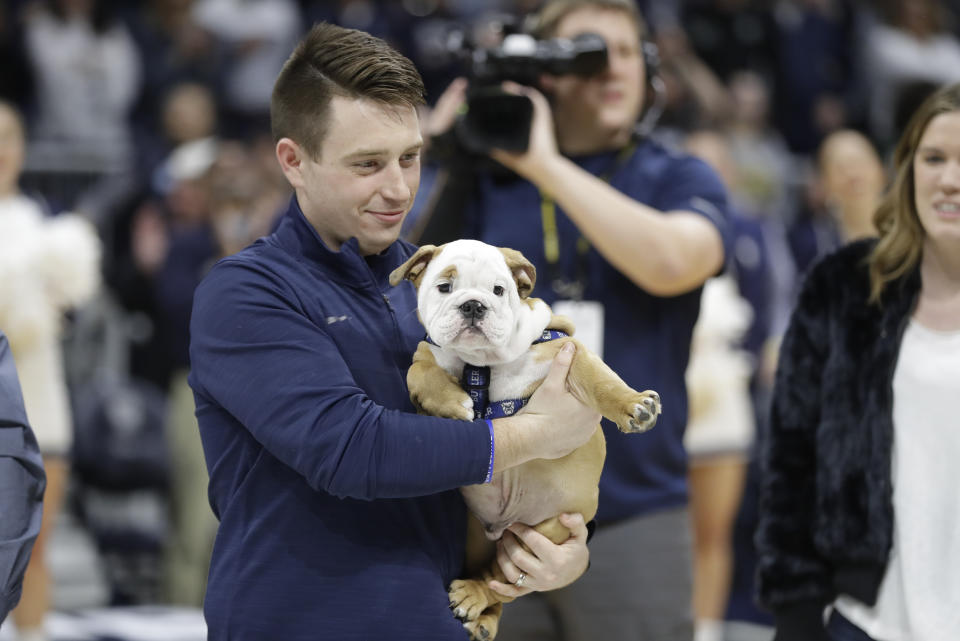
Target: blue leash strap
(475,380)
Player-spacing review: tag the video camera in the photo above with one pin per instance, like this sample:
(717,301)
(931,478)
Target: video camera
(495,118)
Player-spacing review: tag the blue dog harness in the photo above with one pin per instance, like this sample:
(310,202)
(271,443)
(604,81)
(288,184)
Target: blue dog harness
(475,380)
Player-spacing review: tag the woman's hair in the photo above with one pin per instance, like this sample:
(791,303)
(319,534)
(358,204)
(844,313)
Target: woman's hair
(334,61)
(900,246)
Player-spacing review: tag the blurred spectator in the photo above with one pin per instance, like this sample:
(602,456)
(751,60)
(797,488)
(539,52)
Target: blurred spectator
(245,199)
(175,51)
(87,73)
(818,89)
(172,247)
(47,265)
(750,262)
(259,36)
(763,187)
(841,199)
(172,208)
(172,244)
(766,180)
(727,341)
(728,531)
(911,42)
(853,182)
(216,199)
(189,124)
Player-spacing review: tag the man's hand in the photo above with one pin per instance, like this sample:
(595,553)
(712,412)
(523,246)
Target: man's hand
(561,423)
(542,146)
(543,564)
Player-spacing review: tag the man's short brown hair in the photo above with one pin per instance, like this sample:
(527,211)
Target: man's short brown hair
(334,61)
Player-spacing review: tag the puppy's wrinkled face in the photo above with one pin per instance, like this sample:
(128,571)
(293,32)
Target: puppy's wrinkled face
(467,298)
(469,295)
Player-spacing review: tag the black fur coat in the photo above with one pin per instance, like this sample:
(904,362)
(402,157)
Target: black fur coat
(826,510)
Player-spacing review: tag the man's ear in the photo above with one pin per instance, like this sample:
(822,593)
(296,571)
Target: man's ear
(524,273)
(415,266)
(290,155)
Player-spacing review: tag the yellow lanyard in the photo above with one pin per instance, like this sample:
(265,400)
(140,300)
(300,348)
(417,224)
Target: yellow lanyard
(548,215)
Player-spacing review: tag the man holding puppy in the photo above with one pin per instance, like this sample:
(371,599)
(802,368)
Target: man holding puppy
(340,516)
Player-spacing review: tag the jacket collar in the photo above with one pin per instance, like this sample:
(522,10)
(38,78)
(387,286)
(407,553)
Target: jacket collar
(297,236)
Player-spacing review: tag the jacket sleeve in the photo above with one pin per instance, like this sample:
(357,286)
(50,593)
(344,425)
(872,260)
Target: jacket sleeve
(694,187)
(793,580)
(22,482)
(255,354)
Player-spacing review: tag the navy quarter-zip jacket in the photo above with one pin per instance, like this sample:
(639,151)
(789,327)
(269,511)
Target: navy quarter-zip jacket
(339,512)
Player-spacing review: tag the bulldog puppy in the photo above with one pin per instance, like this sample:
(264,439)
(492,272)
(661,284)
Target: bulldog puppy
(485,334)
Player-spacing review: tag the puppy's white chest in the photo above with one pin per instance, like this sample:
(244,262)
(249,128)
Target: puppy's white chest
(513,380)
(509,381)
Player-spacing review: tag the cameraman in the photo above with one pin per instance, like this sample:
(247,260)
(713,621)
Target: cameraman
(623,233)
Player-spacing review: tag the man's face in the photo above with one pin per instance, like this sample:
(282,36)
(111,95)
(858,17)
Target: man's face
(607,104)
(367,176)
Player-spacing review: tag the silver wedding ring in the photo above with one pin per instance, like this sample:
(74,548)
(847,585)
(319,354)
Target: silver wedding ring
(520,580)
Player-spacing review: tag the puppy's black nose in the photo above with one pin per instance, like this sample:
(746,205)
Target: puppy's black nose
(473,309)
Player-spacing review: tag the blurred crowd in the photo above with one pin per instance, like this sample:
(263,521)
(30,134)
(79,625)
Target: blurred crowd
(151,119)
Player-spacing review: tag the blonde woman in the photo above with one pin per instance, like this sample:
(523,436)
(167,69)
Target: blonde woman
(859,502)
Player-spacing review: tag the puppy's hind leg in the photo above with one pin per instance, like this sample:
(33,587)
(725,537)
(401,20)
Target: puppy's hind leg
(487,624)
(479,607)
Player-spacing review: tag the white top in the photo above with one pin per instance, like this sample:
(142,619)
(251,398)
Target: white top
(919,597)
(47,265)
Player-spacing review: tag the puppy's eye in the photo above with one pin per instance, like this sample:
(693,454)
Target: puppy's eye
(443,288)
(498,290)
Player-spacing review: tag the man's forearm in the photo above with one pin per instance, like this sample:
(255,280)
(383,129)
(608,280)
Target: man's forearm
(664,254)
(515,439)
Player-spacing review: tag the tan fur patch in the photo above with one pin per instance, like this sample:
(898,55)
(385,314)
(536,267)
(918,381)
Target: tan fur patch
(415,266)
(523,271)
(450,273)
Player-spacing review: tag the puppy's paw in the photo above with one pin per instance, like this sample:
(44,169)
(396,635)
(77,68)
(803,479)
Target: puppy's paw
(642,413)
(468,600)
(484,628)
(452,404)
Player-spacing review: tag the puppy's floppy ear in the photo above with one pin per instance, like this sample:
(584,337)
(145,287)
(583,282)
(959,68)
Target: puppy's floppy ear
(524,273)
(415,266)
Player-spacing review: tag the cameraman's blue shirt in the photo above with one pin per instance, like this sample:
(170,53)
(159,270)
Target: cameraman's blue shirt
(646,337)
(339,513)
